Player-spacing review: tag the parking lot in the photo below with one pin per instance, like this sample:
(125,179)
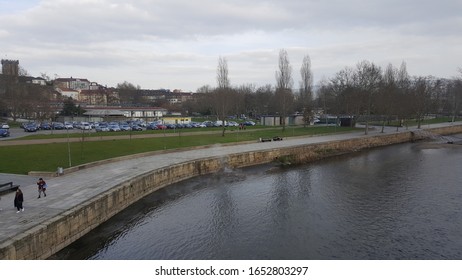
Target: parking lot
(16,132)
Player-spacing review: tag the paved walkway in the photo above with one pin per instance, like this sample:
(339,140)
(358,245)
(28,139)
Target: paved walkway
(72,189)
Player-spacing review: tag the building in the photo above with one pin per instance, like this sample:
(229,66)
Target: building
(275,120)
(133,113)
(176,120)
(31,80)
(73,83)
(67,92)
(10,67)
(97,97)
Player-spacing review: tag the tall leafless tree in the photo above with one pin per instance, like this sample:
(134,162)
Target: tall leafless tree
(223,92)
(284,82)
(306,90)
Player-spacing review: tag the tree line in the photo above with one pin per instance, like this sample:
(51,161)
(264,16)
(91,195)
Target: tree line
(366,92)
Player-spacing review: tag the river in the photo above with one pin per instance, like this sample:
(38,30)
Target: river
(397,202)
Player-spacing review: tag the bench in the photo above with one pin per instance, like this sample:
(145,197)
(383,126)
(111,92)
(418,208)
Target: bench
(8,187)
(265,139)
(275,138)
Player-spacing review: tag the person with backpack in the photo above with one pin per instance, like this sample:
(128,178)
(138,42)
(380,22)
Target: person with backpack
(42,187)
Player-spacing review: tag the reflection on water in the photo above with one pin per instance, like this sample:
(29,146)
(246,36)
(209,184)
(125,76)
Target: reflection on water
(398,202)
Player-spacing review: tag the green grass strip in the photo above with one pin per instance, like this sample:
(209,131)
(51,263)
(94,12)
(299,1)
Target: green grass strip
(20,159)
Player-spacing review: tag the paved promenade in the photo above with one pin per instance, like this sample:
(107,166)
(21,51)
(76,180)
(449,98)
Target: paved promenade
(70,190)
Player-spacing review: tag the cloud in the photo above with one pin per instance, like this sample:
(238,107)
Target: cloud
(176,43)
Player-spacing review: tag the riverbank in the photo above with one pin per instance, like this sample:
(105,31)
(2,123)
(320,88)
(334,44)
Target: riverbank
(80,201)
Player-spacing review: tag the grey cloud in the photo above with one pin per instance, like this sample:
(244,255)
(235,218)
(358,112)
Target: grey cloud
(95,21)
(188,36)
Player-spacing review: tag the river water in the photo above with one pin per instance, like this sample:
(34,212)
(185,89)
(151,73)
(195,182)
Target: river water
(398,202)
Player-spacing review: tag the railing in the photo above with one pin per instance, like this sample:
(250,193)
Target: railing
(8,187)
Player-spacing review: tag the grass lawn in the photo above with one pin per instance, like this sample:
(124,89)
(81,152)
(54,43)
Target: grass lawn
(413,122)
(21,159)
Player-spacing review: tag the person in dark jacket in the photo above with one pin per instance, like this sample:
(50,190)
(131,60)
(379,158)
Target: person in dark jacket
(18,200)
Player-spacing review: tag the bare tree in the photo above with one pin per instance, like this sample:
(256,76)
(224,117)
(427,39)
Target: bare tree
(344,94)
(263,100)
(403,102)
(204,100)
(129,94)
(223,92)
(306,90)
(244,100)
(368,78)
(421,92)
(455,95)
(284,82)
(388,94)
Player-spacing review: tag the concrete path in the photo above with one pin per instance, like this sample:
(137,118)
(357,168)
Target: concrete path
(72,189)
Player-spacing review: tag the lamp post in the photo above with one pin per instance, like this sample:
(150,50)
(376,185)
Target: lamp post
(69,149)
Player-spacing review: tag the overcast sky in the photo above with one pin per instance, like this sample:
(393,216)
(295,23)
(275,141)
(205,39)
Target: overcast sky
(176,44)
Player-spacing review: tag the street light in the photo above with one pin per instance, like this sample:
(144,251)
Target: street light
(69,149)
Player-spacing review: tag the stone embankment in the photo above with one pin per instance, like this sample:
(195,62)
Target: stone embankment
(89,197)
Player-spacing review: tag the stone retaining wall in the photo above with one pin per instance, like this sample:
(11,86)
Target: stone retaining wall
(48,238)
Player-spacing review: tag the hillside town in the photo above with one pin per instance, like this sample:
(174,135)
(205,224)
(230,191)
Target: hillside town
(41,98)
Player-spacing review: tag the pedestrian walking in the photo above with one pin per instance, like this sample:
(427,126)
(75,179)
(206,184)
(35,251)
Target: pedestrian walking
(42,187)
(18,200)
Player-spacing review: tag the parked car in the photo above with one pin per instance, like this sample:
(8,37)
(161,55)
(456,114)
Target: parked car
(102,127)
(209,124)
(161,126)
(5,126)
(85,126)
(45,126)
(152,126)
(125,127)
(171,126)
(232,123)
(68,125)
(4,132)
(136,127)
(30,127)
(114,127)
(248,123)
(57,125)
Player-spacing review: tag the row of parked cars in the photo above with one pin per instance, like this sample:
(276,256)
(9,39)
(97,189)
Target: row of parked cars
(158,125)
(119,126)
(33,127)
(126,125)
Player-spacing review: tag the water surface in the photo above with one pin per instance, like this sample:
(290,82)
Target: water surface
(397,202)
